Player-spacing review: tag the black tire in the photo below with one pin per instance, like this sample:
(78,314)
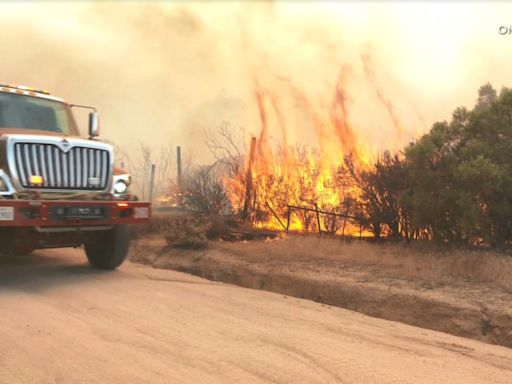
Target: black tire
(16,242)
(108,249)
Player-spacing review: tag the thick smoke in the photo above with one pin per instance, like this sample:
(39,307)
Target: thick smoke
(162,73)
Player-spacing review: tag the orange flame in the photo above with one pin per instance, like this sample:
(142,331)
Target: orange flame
(298,176)
(279,176)
(339,117)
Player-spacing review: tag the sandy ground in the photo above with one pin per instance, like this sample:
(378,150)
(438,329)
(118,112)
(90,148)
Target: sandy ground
(63,322)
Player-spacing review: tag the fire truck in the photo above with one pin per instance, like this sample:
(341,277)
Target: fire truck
(58,189)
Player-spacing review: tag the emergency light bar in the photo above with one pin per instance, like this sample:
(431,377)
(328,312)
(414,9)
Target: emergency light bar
(25,88)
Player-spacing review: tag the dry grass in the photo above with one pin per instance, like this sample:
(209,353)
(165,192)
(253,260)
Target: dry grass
(157,224)
(213,226)
(185,229)
(418,262)
(187,232)
(413,262)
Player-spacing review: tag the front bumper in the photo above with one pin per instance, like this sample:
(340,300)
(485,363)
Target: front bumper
(47,213)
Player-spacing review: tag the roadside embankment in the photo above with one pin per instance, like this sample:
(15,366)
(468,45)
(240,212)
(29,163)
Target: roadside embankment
(444,293)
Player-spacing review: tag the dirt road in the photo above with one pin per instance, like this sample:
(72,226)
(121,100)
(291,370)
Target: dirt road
(62,322)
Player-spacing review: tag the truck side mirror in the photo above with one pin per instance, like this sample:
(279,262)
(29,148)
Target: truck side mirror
(94,124)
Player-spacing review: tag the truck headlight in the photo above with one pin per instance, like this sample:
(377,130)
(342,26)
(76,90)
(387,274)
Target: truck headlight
(120,184)
(6,187)
(120,188)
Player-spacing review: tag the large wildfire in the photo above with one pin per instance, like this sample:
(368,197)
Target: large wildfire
(182,68)
(285,186)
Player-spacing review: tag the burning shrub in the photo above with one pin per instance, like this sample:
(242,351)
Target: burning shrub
(296,177)
(342,219)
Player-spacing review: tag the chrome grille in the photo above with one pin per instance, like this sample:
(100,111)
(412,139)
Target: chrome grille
(79,168)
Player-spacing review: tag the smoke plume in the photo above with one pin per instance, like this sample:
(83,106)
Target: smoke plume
(163,72)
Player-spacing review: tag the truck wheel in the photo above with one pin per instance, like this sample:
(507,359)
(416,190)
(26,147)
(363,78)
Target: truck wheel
(108,249)
(16,242)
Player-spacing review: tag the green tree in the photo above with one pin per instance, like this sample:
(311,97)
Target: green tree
(382,188)
(486,96)
(461,174)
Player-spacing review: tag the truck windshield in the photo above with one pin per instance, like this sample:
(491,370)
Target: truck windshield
(20,111)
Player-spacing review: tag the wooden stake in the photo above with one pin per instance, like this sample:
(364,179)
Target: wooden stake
(178,165)
(318,219)
(344,223)
(152,183)
(246,213)
(361,224)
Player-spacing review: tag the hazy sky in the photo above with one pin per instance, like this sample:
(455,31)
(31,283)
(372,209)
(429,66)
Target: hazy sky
(165,72)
